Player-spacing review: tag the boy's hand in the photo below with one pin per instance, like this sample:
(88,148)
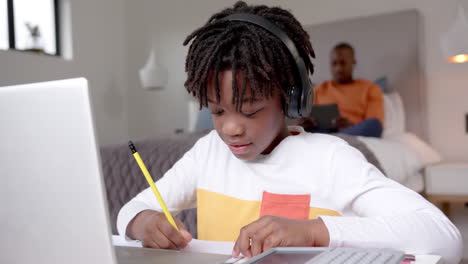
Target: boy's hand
(154,231)
(273,231)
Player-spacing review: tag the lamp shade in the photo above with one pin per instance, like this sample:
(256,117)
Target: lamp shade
(454,42)
(153,76)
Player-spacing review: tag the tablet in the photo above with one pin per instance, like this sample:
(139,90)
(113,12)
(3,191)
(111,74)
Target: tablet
(281,255)
(324,114)
(290,255)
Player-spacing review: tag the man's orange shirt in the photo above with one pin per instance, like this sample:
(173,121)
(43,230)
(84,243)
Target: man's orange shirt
(357,101)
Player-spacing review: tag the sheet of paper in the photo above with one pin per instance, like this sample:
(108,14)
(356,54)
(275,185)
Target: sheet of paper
(213,247)
(120,241)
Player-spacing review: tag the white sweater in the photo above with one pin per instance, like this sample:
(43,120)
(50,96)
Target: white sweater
(358,204)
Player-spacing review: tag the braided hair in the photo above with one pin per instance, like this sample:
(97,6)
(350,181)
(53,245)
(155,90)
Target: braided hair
(263,59)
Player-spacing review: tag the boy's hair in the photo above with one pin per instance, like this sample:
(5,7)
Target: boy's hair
(344,45)
(262,58)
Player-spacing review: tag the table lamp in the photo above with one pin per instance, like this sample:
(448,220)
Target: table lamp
(454,42)
(153,76)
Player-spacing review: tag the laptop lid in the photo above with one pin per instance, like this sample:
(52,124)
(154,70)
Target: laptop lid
(53,202)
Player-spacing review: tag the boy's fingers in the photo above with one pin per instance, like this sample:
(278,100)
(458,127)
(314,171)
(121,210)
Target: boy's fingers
(243,241)
(174,236)
(235,250)
(258,239)
(247,232)
(269,243)
(164,242)
(151,241)
(183,231)
(186,235)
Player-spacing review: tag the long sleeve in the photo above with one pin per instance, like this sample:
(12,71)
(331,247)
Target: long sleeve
(375,103)
(379,212)
(177,187)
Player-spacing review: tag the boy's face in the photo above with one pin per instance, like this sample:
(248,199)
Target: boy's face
(256,129)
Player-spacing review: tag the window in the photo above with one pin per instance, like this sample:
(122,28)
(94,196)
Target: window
(3,25)
(32,25)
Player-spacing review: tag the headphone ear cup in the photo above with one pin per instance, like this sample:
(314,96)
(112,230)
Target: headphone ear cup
(292,108)
(300,102)
(308,101)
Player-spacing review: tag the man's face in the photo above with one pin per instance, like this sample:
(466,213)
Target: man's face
(256,129)
(342,63)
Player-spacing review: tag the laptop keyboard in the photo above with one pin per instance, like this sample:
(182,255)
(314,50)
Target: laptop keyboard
(358,255)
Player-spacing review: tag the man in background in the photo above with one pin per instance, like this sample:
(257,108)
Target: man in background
(360,102)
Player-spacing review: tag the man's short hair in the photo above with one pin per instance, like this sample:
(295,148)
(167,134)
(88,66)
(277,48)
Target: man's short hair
(344,45)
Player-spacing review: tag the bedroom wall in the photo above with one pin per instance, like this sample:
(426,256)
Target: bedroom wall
(96,51)
(165,24)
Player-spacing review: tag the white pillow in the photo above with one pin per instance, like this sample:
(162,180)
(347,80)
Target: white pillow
(426,154)
(394,115)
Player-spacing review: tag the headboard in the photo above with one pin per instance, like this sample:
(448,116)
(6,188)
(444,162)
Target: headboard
(385,45)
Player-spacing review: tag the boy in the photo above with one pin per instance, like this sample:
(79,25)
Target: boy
(259,183)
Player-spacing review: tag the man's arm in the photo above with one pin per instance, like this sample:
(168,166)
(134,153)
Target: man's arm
(375,103)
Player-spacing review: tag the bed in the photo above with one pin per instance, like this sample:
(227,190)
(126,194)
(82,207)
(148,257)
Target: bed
(387,52)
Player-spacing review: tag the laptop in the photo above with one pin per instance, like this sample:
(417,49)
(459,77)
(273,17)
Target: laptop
(54,207)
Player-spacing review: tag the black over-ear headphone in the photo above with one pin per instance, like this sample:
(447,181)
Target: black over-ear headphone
(301,93)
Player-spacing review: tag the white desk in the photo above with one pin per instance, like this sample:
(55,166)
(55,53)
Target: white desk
(225,248)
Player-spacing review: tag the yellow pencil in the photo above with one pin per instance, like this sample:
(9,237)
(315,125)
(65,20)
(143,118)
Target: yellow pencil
(152,185)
